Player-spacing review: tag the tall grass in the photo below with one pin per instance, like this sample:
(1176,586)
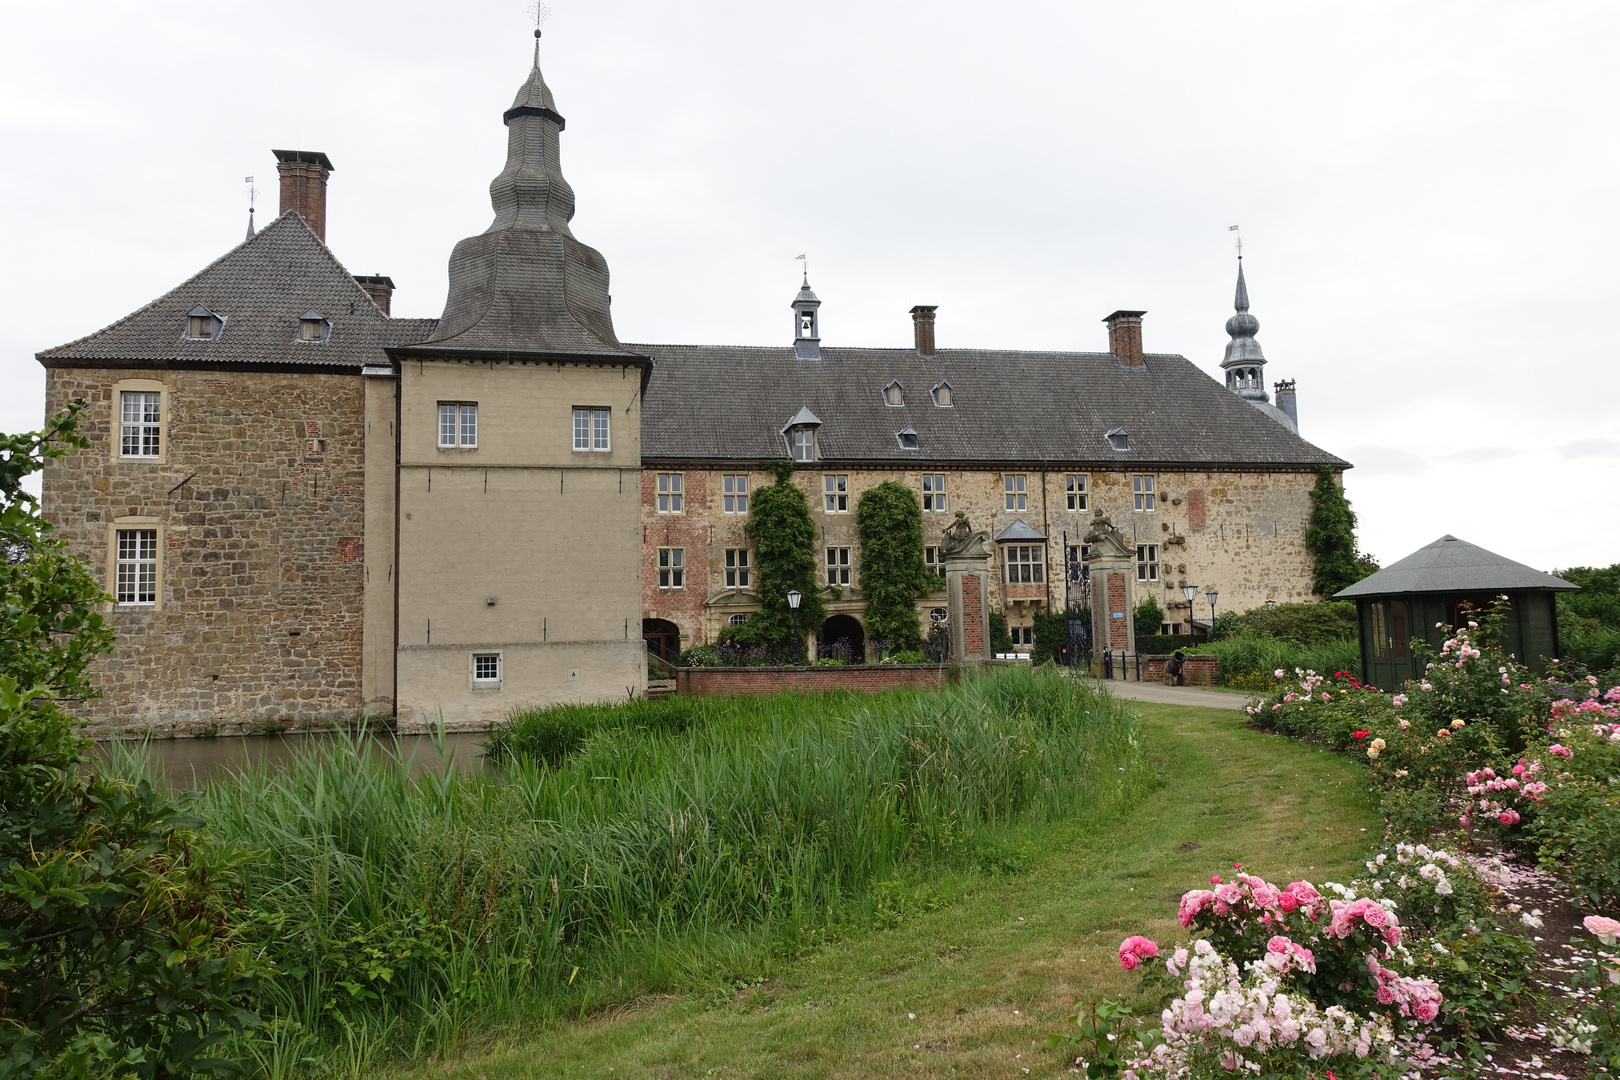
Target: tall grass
(632,854)
(1251,658)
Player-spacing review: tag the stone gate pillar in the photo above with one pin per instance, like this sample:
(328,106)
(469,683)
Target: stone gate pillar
(1113,587)
(966,556)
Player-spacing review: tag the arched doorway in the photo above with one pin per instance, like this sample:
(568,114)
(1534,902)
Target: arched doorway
(663,638)
(843,637)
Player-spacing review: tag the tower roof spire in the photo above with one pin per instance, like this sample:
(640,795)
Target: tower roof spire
(1245,362)
(525,284)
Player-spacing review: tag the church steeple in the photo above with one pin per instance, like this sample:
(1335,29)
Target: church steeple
(525,284)
(1244,363)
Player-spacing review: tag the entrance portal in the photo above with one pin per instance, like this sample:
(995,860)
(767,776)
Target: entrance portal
(663,639)
(842,638)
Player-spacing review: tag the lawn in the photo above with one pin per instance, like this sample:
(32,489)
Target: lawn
(973,986)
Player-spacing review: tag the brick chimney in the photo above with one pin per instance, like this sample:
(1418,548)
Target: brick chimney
(303,185)
(379,286)
(1125,336)
(922,327)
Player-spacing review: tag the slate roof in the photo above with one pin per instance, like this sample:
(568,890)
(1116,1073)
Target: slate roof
(1019,530)
(730,404)
(1451,565)
(259,288)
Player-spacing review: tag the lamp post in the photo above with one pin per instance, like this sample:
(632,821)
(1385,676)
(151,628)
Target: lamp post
(1271,603)
(793,598)
(1191,593)
(1211,596)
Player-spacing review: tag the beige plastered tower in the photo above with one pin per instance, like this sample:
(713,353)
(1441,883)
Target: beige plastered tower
(517,498)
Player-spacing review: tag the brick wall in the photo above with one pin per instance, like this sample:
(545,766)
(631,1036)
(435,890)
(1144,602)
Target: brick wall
(974,621)
(1118,632)
(259,620)
(769,680)
(1197,670)
(690,530)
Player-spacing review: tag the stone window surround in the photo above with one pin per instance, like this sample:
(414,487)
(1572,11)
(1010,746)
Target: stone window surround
(835,493)
(140,386)
(739,570)
(484,685)
(669,492)
(671,568)
(1015,487)
(1077,492)
(934,496)
(1144,493)
(124,524)
(839,567)
(734,487)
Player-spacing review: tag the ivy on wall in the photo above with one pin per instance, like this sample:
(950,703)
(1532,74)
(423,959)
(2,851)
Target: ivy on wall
(1330,537)
(893,574)
(784,539)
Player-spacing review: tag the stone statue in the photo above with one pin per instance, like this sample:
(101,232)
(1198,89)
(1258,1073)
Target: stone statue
(961,538)
(1102,529)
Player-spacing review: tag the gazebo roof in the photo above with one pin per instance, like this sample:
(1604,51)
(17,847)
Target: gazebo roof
(1450,565)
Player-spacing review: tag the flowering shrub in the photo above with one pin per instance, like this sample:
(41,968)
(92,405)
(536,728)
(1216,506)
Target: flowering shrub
(1597,1031)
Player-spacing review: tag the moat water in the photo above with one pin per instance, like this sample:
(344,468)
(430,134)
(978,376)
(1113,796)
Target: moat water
(196,762)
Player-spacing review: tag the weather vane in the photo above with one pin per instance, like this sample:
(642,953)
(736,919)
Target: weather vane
(805,259)
(1234,228)
(252,195)
(539,13)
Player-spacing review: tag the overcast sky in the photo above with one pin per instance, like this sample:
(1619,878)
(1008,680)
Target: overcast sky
(1429,194)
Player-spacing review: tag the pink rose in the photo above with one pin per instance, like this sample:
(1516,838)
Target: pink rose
(1129,961)
(1559,750)
(1287,902)
(1386,996)
(1278,944)
(1606,929)
(1392,935)
(1426,1011)
(1139,945)
(1508,817)
(1375,916)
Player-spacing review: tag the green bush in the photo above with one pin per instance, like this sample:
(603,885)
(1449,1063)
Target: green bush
(1304,624)
(1149,618)
(1052,636)
(784,539)
(1000,640)
(892,571)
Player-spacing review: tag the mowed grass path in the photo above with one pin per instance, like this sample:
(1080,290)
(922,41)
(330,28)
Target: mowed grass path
(989,976)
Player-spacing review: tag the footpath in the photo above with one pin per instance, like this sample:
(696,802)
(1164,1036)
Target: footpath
(1160,694)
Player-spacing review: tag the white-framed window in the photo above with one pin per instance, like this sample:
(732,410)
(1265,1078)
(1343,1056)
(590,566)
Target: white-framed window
(1078,554)
(486,669)
(671,493)
(835,492)
(933,493)
(939,616)
(1026,563)
(1022,635)
(1077,491)
(838,566)
(1142,491)
(140,424)
(458,425)
(1016,486)
(804,444)
(737,620)
(934,560)
(1147,562)
(738,570)
(672,568)
(591,428)
(136,566)
(735,493)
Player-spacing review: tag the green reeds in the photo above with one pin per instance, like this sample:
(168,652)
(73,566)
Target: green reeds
(632,851)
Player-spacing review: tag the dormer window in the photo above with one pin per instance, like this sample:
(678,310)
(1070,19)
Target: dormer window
(804,444)
(942,395)
(202,324)
(894,394)
(313,328)
(1118,439)
(908,438)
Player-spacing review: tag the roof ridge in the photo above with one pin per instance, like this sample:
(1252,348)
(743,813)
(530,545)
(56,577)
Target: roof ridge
(905,350)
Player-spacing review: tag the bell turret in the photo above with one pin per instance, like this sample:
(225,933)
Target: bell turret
(1244,363)
(806,323)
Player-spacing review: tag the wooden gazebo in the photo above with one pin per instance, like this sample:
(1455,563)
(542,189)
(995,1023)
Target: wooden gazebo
(1440,584)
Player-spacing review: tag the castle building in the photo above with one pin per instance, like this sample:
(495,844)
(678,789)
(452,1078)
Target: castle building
(307,511)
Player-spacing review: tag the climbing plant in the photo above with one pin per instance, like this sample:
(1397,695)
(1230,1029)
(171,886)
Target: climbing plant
(1331,536)
(889,520)
(784,539)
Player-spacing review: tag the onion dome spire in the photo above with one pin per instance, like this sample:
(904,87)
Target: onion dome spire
(525,284)
(1244,363)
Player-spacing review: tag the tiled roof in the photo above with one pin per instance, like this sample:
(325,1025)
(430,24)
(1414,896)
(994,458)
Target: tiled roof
(1452,565)
(259,288)
(730,403)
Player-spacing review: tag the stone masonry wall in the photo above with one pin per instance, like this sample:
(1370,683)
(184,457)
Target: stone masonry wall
(1240,532)
(259,503)
(768,680)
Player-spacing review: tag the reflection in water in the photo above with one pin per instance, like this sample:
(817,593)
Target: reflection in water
(195,762)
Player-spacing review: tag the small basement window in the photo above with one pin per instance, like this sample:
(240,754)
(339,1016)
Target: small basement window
(908,438)
(202,324)
(313,328)
(942,395)
(486,669)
